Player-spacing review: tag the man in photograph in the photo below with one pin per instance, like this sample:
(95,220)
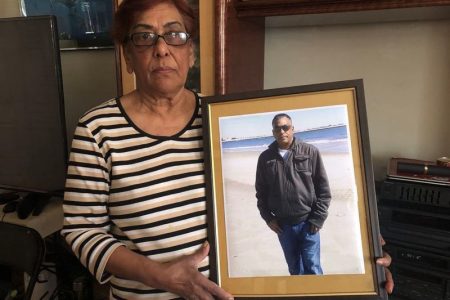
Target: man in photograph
(293,196)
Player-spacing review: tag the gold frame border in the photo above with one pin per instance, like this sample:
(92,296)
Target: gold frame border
(331,285)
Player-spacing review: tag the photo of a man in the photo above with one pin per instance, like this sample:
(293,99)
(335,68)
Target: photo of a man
(293,196)
(324,200)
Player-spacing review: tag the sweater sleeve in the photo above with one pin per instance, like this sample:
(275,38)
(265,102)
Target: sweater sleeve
(319,211)
(86,220)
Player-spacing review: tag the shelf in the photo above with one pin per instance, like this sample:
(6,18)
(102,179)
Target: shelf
(415,14)
(265,8)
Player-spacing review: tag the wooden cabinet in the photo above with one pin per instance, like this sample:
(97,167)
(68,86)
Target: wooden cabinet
(239,50)
(264,8)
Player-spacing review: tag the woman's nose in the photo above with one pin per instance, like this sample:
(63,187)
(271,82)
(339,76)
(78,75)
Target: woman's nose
(161,48)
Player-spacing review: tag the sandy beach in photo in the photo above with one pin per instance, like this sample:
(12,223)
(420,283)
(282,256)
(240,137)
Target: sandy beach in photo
(254,250)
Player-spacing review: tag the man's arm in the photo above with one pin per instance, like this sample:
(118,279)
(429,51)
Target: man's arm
(261,187)
(319,210)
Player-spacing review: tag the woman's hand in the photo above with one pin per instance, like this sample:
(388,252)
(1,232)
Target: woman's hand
(182,277)
(386,261)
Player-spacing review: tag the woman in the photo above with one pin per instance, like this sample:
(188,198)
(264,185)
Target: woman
(136,169)
(134,205)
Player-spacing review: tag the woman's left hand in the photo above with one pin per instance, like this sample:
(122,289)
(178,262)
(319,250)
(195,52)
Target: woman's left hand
(386,261)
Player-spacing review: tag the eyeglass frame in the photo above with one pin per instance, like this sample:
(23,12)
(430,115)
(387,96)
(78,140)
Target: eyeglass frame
(158,36)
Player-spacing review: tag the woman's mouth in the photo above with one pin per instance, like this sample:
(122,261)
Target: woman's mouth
(163,70)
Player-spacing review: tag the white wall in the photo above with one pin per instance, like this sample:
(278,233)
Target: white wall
(406,71)
(9,8)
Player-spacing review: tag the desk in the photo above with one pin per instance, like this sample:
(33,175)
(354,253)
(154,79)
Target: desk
(48,222)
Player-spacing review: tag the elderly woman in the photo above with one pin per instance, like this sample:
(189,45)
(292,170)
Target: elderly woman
(135,212)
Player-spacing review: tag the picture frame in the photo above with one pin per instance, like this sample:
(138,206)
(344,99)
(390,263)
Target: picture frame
(82,25)
(246,258)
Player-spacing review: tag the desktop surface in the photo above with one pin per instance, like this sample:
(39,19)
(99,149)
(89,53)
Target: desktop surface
(48,222)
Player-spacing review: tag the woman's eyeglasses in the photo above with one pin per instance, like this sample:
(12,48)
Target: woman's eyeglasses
(150,38)
(283,127)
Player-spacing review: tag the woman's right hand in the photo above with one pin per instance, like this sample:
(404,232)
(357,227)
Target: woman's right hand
(182,277)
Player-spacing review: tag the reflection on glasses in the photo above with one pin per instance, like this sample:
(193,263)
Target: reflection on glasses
(174,38)
(283,127)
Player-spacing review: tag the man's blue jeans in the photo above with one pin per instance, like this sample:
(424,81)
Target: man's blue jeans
(301,249)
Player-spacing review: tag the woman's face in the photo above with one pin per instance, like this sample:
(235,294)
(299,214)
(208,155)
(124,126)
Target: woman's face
(160,69)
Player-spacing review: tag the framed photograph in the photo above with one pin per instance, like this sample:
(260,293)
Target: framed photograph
(242,147)
(81,24)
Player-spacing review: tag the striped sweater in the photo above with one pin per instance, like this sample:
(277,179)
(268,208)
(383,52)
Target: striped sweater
(126,187)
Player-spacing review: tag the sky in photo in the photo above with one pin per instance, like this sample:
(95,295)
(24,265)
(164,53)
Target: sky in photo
(245,126)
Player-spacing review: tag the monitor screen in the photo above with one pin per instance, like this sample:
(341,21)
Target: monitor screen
(33,146)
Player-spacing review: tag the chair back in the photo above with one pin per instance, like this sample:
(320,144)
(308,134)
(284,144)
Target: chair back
(22,249)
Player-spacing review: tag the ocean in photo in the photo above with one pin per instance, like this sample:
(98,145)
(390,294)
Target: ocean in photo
(328,139)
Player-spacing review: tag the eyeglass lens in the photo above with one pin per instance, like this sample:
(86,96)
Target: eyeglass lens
(150,39)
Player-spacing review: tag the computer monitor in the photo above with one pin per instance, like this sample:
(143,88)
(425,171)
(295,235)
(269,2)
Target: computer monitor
(33,145)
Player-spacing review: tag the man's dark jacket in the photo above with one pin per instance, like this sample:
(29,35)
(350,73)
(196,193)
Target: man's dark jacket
(294,189)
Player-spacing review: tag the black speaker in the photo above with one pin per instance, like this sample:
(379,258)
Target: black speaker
(415,222)
(419,273)
(415,193)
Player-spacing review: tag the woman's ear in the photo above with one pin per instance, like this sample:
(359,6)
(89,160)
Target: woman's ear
(129,69)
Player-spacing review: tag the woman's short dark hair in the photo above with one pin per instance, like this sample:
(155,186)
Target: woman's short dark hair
(128,11)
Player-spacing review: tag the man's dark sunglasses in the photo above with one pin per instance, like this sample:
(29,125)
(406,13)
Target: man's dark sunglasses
(283,127)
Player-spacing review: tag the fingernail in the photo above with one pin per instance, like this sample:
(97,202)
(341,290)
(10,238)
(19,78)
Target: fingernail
(205,244)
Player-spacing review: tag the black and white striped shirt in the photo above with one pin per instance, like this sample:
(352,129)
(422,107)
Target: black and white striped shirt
(126,187)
